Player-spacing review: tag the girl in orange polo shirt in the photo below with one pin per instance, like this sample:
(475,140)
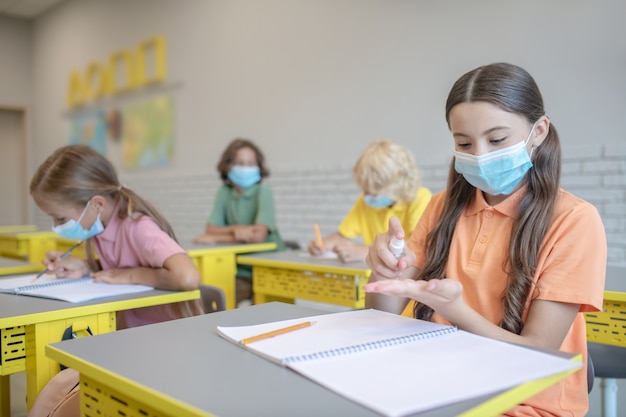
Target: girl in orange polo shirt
(504,252)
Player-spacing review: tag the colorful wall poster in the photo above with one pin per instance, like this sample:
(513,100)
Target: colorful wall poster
(89,128)
(147,133)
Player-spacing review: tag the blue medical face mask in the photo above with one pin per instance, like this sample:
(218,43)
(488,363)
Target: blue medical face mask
(72,229)
(377,201)
(244,176)
(497,172)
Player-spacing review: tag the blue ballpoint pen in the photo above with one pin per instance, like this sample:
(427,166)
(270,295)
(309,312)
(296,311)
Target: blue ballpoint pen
(63,256)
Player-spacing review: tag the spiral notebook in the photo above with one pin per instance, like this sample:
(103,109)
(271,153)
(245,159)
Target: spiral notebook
(396,365)
(71,290)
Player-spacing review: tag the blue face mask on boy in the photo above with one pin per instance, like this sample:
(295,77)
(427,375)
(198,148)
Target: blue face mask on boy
(377,201)
(72,229)
(497,172)
(244,176)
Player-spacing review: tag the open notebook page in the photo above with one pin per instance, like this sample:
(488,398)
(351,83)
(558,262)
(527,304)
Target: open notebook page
(71,290)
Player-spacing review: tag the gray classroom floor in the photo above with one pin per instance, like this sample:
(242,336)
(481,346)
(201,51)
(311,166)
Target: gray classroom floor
(18,395)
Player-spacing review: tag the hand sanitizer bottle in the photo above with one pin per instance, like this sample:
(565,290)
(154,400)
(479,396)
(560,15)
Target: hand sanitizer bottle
(396,246)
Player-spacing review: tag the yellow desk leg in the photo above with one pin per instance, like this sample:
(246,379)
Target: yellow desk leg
(5,395)
(260,298)
(220,271)
(39,247)
(39,368)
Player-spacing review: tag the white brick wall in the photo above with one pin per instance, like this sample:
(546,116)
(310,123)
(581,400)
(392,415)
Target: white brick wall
(324,195)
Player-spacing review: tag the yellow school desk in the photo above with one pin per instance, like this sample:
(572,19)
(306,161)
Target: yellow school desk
(609,326)
(18,228)
(217,264)
(143,372)
(285,276)
(606,332)
(64,245)
(28,324)
(28,246)
(10,266)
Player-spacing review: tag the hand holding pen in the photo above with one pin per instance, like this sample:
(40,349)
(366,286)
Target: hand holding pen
(61,257)
(316,247)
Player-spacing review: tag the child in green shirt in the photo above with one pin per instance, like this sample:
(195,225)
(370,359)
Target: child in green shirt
(243,211)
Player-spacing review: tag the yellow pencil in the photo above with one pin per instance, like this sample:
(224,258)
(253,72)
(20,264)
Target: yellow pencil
(318,236)
(277,332)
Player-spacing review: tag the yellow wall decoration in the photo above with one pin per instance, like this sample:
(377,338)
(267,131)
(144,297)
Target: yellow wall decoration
(125,70)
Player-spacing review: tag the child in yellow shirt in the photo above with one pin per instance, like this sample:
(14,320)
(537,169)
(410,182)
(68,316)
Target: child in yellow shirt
(390,182)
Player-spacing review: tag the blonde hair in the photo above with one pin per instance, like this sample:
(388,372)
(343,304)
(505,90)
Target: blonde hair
(389,169)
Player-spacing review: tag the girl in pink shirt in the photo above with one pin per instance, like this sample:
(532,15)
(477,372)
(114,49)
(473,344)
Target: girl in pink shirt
(80,190)
(504,252)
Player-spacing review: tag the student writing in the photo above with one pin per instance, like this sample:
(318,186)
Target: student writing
(135,244)
(243,210)
(390,183)
(504,252)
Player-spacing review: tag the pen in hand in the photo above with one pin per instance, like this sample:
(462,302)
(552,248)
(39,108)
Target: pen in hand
(63,256)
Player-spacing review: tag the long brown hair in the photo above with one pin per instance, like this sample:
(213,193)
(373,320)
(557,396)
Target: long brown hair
(76,173)
(512,89)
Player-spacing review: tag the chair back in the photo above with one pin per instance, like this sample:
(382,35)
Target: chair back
(292,244)
(213,298)
(609,361)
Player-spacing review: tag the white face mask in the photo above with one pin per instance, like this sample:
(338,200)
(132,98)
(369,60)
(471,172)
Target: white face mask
(72,229)
(497,172)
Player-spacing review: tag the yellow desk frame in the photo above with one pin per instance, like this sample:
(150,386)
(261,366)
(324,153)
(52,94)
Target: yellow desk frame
(27,246)
(23,337)
(64,245)
(286,276)
(102,391)
(608,327)
(10,266)
(218,267)
(18,228)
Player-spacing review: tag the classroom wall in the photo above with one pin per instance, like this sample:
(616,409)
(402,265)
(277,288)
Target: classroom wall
(314,82)
(16,62)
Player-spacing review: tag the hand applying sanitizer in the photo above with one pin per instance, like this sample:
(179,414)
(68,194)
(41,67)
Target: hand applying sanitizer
(396,246)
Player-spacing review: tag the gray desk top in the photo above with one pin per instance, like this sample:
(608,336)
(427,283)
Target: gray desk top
(14,306)
(300,257)
(239,247)
(186,360)
(11,263)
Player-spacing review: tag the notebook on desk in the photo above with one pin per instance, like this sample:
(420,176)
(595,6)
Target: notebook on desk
(71,290)
(326,255)
(396,365)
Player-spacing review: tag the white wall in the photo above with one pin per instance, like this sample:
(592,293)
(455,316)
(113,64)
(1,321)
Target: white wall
(15,62)
(314,81)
